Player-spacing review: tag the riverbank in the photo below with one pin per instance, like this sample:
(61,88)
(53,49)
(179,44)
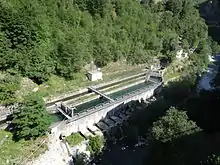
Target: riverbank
(206,81)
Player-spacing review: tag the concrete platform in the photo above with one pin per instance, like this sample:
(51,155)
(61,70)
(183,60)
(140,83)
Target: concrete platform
(96,130)
(116,119)
(123,117)
(102,126)
(109,122)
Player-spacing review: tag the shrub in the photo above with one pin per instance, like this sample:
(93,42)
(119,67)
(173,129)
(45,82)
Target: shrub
(74,139)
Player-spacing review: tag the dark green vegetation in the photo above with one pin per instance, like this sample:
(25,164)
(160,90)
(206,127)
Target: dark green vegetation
(81,159)
(212,160)
(95,144)
(173,125)
(74,139)
(8,86)
(42,38)
(19,152)
(31,119)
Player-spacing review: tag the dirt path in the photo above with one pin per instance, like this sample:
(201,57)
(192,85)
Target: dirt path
(57,154)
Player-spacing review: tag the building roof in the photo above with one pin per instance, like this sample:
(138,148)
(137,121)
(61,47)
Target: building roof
(94,72)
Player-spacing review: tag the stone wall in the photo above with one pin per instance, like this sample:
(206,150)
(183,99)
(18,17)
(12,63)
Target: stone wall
(5,111)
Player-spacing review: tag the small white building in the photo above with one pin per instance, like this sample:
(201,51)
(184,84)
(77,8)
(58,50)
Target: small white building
(94,75)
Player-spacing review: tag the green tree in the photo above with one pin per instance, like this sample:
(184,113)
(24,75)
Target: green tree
(173,125)
(212,160)
(95,144)
(175,6)
(215,46)
(81,159)
(8,86)
(32,119)
(40,38)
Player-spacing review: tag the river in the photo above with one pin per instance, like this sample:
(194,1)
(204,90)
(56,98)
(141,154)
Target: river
(123,153)
(205,81)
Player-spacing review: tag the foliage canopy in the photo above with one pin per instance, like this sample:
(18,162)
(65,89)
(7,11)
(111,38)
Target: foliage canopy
(95,144)
(40,38)
(32,119)
(173,125)
(9,84)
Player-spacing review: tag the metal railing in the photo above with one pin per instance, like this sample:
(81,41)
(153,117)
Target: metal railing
(120,99)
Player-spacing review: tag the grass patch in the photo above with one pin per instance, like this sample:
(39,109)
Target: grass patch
(27,86)
(74,139)
(57,85)
(12,152)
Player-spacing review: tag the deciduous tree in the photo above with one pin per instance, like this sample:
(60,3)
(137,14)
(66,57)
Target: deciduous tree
(173,125)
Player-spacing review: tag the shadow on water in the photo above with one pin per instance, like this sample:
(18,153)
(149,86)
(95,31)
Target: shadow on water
(188,149)
(209,11)
(122,140)
(121,146)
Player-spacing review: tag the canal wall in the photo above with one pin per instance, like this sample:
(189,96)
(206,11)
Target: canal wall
(88,118)
(70,94)
(75,102)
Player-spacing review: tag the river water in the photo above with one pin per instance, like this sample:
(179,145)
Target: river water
(123,153)
(205,81)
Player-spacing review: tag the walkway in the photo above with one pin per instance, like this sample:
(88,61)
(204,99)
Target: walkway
(101,94)
(56,154)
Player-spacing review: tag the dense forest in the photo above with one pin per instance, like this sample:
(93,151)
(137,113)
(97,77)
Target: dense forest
(40,38)
(59,37)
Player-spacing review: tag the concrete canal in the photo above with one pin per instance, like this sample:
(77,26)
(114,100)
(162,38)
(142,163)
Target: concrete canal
(96,102)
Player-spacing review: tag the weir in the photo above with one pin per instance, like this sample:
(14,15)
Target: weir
(89,117)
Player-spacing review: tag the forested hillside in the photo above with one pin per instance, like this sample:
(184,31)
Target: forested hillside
(59,37)
(39,38)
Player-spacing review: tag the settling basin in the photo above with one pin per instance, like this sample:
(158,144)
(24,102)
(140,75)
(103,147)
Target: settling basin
(96,102)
